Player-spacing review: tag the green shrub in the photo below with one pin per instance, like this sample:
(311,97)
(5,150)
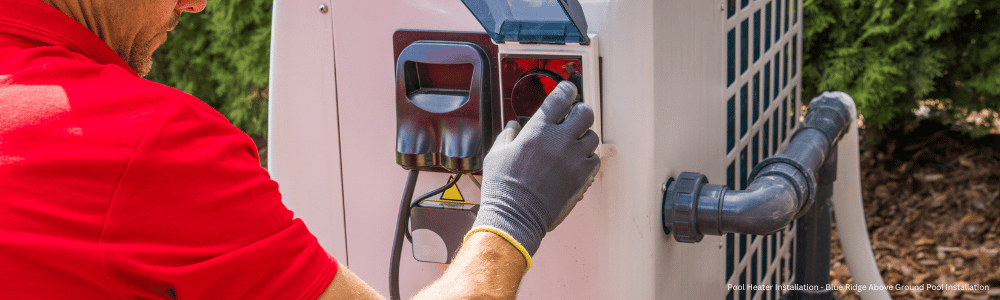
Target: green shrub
(889,54)
(221,56)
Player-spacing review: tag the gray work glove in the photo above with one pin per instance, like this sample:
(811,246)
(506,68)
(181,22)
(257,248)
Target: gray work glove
(533,176)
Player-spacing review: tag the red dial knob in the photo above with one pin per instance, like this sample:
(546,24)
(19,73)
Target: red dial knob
(530,91)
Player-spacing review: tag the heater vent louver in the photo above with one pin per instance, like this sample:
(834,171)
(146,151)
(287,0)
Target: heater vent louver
(763,105)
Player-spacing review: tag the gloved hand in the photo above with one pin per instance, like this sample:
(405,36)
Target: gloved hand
(534,176)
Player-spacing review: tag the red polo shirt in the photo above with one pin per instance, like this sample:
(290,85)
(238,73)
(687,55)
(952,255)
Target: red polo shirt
(112,186)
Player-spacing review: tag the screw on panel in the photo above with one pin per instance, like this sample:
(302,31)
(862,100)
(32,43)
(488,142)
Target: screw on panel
(323,8)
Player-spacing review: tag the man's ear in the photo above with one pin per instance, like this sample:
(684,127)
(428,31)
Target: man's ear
(191,6)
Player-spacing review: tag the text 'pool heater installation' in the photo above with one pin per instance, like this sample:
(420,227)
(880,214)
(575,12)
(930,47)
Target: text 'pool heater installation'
(454,86)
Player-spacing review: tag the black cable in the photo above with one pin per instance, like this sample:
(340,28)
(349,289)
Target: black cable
(397,243)
(403,225)
(476,181)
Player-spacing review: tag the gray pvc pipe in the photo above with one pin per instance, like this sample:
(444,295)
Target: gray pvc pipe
(743,211)
(809,147)
(782,190)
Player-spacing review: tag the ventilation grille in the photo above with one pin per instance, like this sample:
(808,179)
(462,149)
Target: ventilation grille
(763,105)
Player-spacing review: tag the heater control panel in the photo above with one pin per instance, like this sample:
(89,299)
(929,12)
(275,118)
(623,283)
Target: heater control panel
(529,72)
(527,80)
(455,91)
(540,44)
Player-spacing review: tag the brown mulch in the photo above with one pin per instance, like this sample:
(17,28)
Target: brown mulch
(932,204)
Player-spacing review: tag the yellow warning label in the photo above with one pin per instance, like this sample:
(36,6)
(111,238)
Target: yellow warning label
(452,193)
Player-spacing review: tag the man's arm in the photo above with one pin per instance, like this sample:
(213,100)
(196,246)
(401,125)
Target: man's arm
(346,285)
(486,267)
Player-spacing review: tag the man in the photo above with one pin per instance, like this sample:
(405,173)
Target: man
(112,186)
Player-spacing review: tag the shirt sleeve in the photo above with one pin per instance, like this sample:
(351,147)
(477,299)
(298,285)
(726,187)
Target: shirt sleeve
(194,216)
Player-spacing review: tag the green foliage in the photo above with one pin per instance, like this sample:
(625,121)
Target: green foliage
(221,56)
(888,54)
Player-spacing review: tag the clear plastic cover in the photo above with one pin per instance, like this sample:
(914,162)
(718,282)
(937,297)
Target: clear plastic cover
(531,21)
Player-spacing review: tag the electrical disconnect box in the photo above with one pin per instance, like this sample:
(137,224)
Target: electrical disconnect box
(540,43)
(454,91)
(528,72)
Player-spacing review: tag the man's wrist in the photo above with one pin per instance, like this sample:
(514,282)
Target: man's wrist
(487,267)
(514,218)
(497,237)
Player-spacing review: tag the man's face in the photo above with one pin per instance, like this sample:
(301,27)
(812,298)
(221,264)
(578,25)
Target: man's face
(135,28)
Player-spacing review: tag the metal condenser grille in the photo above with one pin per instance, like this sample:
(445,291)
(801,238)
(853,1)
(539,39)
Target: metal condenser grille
(762,103)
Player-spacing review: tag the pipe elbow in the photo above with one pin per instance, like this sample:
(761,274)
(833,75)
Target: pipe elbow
(782,186)
(767,206)
(693,208)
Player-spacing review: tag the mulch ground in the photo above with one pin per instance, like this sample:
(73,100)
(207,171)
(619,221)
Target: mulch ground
(932,203)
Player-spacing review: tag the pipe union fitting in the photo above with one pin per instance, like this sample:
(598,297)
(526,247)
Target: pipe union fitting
(680,207)
(801,178)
